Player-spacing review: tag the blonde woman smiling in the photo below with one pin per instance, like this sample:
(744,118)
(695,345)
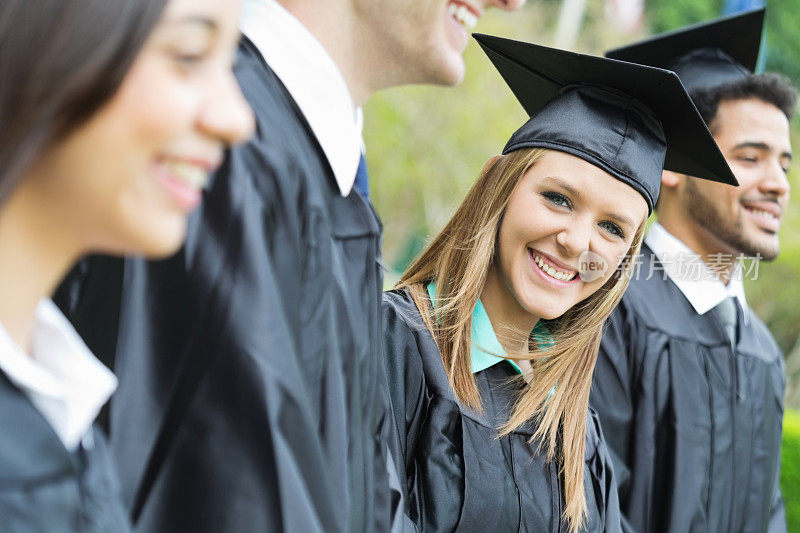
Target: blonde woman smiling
(492,334)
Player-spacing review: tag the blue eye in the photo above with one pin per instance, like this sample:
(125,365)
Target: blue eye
(557,199)
(613,229)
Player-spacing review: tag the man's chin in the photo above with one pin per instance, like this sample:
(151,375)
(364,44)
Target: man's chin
(451,72)
(444,66)
(768,254)
(760,248)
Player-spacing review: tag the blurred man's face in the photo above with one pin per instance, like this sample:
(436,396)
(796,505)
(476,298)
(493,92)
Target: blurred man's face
(421,41)
(754,138)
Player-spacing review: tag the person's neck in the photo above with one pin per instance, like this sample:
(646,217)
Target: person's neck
(336,27)
(512,324)
(721,259)
(33,259)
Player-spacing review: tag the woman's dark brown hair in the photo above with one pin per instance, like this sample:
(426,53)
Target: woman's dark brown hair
(60,61)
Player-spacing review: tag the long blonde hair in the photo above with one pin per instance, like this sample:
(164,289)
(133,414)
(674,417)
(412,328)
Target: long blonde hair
(458,261)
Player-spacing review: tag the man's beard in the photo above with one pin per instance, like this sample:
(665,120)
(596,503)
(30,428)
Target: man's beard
(728,230)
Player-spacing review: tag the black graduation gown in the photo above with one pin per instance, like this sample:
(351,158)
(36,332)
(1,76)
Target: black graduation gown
(694,427)
(458,475)
(44,487)
(277,293)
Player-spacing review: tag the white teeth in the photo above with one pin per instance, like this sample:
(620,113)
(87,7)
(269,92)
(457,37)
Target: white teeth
(552,272)
(463,15)
(188,173)
(765,214)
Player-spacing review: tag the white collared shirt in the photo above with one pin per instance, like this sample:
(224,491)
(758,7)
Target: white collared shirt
(701,286)
(61,377)
(314,81)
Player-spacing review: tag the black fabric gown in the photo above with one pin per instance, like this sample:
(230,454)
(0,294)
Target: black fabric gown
(273,309)
(43,486)
(694,427)
(458,475)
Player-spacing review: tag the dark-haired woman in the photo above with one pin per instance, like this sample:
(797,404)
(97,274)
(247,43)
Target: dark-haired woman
(114,112)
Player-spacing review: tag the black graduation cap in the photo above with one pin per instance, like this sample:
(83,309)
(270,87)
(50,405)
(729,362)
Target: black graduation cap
(705,55)
(630,120)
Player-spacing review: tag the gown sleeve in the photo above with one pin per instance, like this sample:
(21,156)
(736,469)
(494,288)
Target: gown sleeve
(238,272)
(407,392)
(602,467)
(613,392)
(777,518)
(777,512)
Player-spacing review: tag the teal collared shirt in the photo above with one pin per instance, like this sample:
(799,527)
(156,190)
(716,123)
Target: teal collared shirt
(485,349)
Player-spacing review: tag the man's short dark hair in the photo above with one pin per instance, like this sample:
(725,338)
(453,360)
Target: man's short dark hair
(771,88)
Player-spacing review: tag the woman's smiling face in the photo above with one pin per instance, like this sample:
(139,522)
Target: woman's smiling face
(125,181)
(562,207)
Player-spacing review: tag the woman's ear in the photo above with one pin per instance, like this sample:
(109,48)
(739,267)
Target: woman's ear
(671,179)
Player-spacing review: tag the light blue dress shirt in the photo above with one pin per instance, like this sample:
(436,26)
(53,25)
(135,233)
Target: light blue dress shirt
(485,348)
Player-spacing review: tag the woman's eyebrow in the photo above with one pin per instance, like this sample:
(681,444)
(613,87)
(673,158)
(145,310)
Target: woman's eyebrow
(622,219)
(207,22)
(564,184)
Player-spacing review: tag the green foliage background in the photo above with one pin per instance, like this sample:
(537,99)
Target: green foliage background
(790,469)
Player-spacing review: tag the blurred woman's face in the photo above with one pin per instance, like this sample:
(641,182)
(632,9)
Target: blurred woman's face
(125,181)
(562,207)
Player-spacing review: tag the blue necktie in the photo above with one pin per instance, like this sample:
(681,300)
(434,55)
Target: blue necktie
(362,179)
(727,314)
